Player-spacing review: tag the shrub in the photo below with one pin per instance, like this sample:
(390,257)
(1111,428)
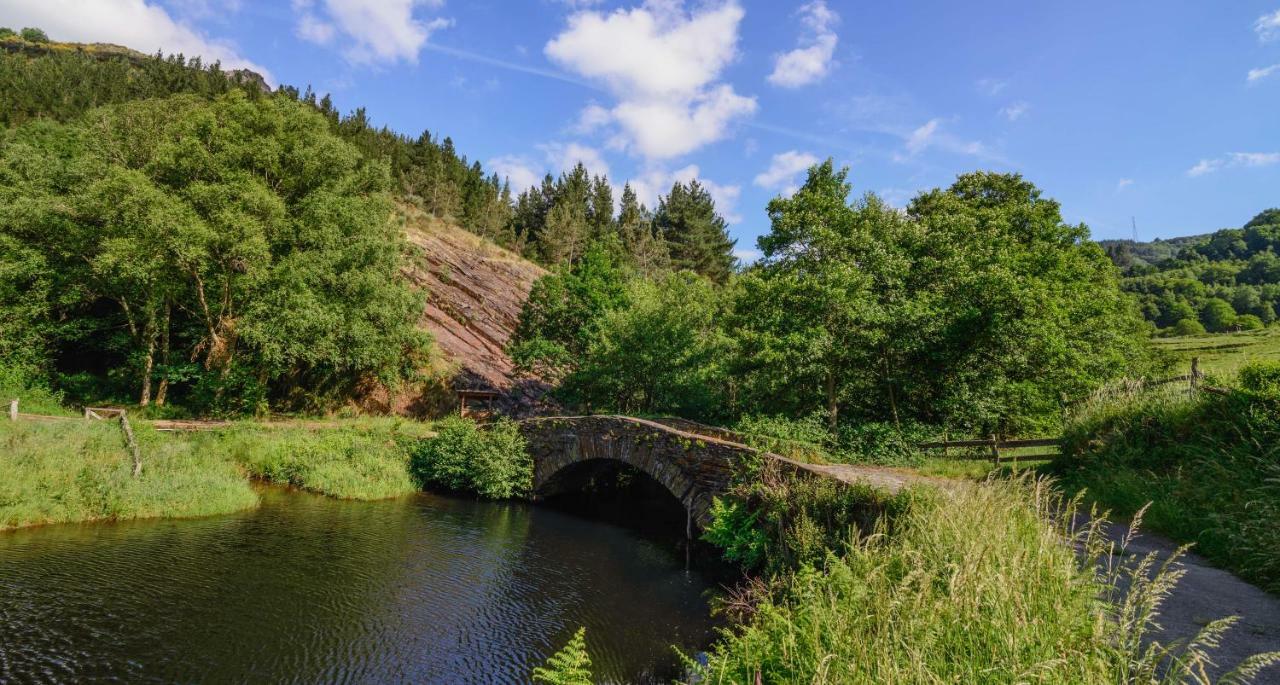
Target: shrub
(492,463)
(883,443)
(1249,322)
(33,35)
(1261,378)
(1188,327)
(6,32)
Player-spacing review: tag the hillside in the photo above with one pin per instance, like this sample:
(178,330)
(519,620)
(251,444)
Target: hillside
(475,291)
(1228,280)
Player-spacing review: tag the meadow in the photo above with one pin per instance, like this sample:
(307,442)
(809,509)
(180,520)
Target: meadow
(1222,354)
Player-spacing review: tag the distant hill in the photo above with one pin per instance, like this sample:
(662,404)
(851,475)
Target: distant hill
(1222,281)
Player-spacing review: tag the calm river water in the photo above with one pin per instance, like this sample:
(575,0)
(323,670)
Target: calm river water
(305,589)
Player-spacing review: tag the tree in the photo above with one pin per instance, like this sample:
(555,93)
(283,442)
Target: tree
(663,352)
(647,251)
(569,666)
(561,316)
(1188,327)
(34,35)
(1248,322)
(696,236)
(1217,315)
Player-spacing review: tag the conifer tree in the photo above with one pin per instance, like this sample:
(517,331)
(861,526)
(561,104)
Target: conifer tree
(695,234)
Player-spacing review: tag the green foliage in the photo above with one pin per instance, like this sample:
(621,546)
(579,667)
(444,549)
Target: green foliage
(982,586)
(663,352)
(1239,267)
(80,471)
(1248,322)
(491,462)
(25,384)
(978,308)
(6,32)
(1188,327)
(1261,378)
(1209,466)
(697,237)
(734,530)
(365,463)
(240,233)
(33,35)
(569,666)
(561,316)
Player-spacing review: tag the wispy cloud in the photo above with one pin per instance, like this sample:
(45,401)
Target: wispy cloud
(1234,159)
(1015,111)
(783,169)
(991,86)
(1263,72)
(931,135)
(1123,183)
(373,31)
(1268,26)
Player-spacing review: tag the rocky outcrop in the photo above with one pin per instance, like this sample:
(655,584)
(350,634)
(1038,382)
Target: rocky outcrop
(475,291)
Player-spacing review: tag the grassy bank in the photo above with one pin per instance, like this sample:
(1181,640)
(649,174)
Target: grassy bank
(979,586)
(1209,465)
(366,459)
(1222,354)
(80,471)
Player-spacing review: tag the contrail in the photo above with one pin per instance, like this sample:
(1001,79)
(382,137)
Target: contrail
(510,66)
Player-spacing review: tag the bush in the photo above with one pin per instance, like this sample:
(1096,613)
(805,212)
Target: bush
(6,32)
(1188,327)
(884,443)
(1249,322)
(1261,378)
(33,35)
(33,394)
(492,463)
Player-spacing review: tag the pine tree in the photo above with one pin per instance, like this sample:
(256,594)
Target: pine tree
(695,234)
(601,208)
(569,666)
(647,252)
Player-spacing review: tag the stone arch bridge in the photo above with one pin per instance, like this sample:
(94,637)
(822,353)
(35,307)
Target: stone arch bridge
(692,461)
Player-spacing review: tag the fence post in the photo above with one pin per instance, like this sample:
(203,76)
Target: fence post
(1195,373)
(13,409)
(132,443)
(995,450)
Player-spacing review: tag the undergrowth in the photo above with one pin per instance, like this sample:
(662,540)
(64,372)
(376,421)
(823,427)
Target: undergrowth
(990,583)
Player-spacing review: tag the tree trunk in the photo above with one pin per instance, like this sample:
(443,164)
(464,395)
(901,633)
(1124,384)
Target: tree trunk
(833,407)
(163,391)
(148,363)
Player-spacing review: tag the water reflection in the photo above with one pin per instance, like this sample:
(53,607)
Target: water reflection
(307,589)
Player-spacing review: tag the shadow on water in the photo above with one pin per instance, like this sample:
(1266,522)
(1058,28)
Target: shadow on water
(307,589)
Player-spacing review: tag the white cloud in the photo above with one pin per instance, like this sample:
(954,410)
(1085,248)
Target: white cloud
(1263,72)
(783,168)
(1015,111)
(812,61)
(593,118)
(747,255)
(1268,26)
(137,24)
(564,156)
(517,170)
(1234,159)
(375,31)
(991,86)
(1123,183)
(656,181)
(662,64)
(930,135)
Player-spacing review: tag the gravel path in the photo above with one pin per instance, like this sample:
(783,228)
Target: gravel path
(1207,593)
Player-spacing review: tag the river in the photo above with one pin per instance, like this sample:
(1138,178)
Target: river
(306,589)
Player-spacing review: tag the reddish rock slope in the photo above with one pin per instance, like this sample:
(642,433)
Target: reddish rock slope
(475,292)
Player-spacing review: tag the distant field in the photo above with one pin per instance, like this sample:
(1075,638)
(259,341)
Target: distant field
(1223,354)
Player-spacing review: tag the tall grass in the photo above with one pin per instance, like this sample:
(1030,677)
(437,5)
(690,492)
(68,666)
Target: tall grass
(989,584)
(365,463)
(80,471)
(1209,466)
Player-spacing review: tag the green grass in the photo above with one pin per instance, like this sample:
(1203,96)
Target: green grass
(364,459)
(983,585)
(1222,354)
(1208,465)
(80,471)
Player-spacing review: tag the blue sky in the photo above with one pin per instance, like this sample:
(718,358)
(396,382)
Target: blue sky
(1165,111)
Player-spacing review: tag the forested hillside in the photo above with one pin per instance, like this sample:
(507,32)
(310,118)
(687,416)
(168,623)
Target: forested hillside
(175,231)
(1224,281)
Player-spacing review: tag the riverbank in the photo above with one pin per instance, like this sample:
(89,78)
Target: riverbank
(69,471)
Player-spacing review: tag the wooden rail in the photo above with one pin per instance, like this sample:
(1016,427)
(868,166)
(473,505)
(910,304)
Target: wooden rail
(994,445)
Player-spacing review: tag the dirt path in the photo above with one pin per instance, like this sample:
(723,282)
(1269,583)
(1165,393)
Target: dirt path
(1207,593)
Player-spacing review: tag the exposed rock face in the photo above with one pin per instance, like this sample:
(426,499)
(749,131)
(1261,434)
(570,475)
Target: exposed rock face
(475,291)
